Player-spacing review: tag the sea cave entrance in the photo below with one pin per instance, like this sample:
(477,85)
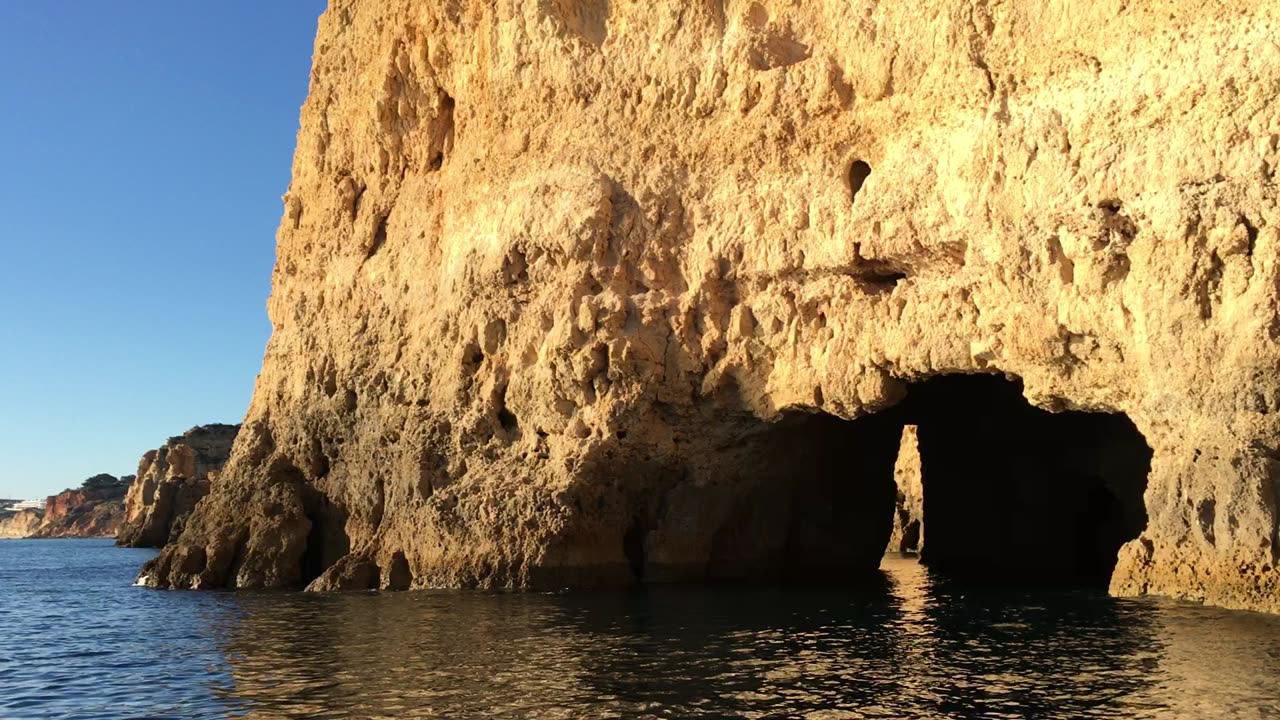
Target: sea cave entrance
(1011,494)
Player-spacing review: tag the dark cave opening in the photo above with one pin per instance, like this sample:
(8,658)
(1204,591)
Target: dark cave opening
(1012,495)
(327,540)
(1016,495)
(809,500)
(399,575)
(859,171)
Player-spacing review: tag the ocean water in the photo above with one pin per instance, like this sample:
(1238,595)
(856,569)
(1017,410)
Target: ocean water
(77,640)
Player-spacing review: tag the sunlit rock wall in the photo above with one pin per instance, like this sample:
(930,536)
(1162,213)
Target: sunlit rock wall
(546,268)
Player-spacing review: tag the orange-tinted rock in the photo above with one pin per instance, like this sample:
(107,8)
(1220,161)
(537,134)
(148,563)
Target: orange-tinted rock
(171,480)
(96,509)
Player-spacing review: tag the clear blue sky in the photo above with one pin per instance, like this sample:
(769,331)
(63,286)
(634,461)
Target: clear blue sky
(144,147)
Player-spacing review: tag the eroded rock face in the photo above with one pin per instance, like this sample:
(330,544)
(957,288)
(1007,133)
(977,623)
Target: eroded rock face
(171,480)
(557,283)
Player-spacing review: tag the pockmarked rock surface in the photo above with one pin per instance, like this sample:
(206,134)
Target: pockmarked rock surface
(171,480)
(579,292)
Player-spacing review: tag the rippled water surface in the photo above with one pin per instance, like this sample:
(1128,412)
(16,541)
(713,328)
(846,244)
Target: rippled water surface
(78,641)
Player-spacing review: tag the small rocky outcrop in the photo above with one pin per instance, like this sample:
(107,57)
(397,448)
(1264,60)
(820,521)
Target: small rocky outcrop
(20,524)
(93,510)
(171,480)
(908,512)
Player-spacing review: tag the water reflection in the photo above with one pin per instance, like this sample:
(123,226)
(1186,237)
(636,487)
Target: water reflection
(914,648)
(1211,663)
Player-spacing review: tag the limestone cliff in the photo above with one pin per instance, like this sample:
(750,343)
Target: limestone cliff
(20,524)
(171,480)
(577,292)
(95,509)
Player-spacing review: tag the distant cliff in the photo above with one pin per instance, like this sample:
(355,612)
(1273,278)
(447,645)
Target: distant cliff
(171,480)
(95,509)
(20,524)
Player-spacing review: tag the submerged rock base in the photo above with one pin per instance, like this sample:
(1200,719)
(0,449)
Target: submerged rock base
(576,293)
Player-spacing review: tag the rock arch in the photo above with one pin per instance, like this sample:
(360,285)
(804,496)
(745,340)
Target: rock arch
(1010,493)
(1016,494)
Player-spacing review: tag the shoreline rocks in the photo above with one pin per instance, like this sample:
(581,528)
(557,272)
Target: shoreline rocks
(586,293)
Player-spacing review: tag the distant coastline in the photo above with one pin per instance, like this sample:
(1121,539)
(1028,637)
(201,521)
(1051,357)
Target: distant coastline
(93,510)
(142,510)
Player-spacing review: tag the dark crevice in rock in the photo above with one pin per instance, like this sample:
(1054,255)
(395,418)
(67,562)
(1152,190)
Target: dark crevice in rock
(327,541)
(1209,291)
(357,200)
(379,236)
(507,419)
(448,108)
(1117,223)
(399,575)
(879,276)
(515,268)
(858,174)
(330,386)
(1205,513)
(378,508)
(911,536)
(238,557)
(777,50)
(432,471)
(1251,232)
(633,548)
(587,19)
(319,460)
(472,357)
